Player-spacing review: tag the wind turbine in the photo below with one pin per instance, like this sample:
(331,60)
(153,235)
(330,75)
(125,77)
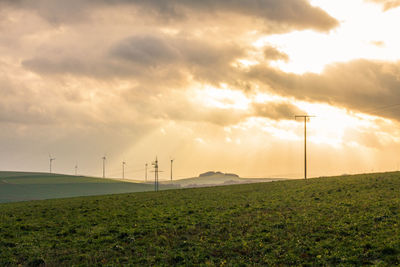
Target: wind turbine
(123,169)
(104,166)
(145,174)
(51,161)
(172,161)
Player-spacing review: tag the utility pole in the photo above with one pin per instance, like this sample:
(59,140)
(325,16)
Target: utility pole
(51,161)
(305,117)
(104,166)
(76,169)
(123,169)
(172,161)
(155,164)
(145,174)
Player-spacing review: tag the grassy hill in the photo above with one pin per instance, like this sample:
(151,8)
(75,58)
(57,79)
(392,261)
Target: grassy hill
(349,220)
(22,186)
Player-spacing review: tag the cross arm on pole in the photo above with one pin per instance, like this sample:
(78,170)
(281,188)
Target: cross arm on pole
(304,116)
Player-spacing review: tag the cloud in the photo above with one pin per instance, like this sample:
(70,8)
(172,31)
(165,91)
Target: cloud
(293,14)
(298,14)
(360,85)
(364,137)
(271,53)
(178,106)
(276,110)
(147,51)
(387,4)
(148,59)
(378,43)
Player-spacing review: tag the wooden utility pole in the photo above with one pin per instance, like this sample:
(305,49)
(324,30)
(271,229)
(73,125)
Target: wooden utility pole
(305,117)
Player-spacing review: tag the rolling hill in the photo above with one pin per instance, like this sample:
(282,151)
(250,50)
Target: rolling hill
(24,186)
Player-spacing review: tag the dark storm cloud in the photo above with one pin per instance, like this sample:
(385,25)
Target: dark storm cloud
(361,85)
(295,14)
(387,4)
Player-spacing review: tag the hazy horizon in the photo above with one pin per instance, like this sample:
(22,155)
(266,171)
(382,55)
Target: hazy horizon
(214,85)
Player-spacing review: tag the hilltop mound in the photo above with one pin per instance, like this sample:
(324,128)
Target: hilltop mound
(212,178)
(212,173)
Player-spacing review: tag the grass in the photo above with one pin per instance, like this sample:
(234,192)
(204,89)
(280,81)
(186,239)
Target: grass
(24,186)
(352,220)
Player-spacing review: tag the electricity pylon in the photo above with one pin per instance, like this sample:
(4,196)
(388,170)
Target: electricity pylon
(76,169)
(155,164)
(156,172)
(306,117)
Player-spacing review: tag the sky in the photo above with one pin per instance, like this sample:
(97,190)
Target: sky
(212,84)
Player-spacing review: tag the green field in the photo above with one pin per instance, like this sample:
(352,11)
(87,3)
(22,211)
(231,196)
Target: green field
(24,186)
(348,220)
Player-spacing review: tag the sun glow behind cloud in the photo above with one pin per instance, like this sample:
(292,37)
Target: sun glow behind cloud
(222,98)
(356,37)
(330,126)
